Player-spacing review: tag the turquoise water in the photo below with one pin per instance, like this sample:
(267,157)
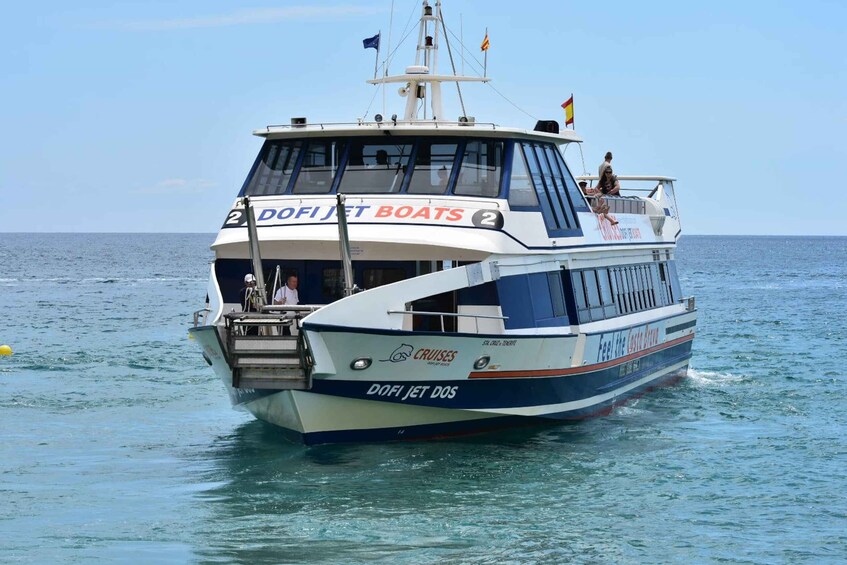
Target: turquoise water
(118,444)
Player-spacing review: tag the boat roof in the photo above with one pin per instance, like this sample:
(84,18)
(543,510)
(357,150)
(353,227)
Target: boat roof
(411,129)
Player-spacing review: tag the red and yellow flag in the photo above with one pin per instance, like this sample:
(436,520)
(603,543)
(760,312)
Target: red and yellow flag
(485,43)
(568,106)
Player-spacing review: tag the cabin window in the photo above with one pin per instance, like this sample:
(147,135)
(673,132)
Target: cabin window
(614,291)
(521,192)
(557,294)
(319,167)
(617,293)
(373,278)
(332,285)
(375,167)
(274,169)
(532,300)
(579,297)
(648,288)
(433,167)
(479,172)
(606,297)
(592,292)
(674,291)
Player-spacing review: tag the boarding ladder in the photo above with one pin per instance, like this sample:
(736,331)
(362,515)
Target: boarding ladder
(261,357)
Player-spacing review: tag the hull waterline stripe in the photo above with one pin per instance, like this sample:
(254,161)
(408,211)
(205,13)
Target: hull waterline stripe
(550,409)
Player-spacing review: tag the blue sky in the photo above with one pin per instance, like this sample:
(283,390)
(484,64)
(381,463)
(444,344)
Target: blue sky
(137,116)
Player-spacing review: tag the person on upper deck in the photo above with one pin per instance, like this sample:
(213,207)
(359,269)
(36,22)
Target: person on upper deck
(382,159)
(608,182)
(598,204)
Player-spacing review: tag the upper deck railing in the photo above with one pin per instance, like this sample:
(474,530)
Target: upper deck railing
(378,124)
(632,199)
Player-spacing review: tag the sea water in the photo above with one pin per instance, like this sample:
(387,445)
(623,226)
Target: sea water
(118,444)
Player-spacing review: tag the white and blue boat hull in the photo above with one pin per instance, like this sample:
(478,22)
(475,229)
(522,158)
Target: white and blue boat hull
(424,385)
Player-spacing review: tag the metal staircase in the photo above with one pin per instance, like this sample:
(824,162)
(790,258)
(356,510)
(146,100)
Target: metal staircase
(262,358)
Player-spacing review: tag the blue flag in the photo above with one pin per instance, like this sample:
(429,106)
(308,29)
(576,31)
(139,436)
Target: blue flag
(371,42)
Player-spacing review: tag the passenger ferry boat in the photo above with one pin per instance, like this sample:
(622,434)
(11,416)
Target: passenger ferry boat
(453,278)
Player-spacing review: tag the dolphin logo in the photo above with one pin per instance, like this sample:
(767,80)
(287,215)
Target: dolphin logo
(400,354)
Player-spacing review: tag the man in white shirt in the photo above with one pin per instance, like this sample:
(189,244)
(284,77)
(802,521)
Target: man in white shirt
(287,294)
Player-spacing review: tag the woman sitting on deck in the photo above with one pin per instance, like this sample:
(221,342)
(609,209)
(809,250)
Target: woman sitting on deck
(598,204)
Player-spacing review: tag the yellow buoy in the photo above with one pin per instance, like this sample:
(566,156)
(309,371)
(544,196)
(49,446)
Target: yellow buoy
(5,350)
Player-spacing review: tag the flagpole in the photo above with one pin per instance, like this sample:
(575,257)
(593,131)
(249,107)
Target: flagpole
(376,60)
(485,64)
(573,121)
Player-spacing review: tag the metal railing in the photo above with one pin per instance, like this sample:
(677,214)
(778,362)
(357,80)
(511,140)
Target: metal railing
(449,315)
(272,308)
(380,125)
(204,312)
(620,204)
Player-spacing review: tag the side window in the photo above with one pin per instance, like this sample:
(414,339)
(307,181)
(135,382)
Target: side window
(648,288)
(617,295)
(653,275)
(555,197)
(627,290)
(557,294)
(377,277)
(579,297)
(551,219)
(606,293)
(675,291)
(576,197)
(320,166)
(480,170)
(332,286)
(592,293)
(665,284)
(521,192)
(636,288)
(559,182)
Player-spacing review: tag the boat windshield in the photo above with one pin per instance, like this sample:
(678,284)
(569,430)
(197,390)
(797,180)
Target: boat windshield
(530,174)
(378,165)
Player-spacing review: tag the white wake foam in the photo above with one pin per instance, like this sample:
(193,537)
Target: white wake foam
(712,378)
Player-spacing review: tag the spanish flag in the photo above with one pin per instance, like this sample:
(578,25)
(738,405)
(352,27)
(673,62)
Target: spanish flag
(485,43)
(568,106)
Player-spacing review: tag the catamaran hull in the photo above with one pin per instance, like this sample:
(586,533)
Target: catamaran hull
(436,396)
